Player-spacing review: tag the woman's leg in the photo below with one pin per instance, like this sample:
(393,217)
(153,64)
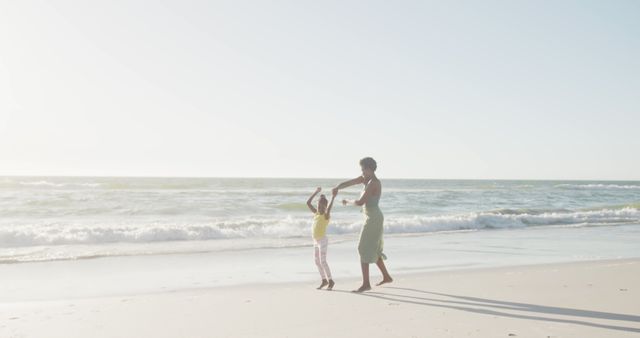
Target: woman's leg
(366,285)
(386,278)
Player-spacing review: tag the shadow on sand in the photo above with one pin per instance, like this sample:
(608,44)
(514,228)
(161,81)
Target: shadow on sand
(491,307)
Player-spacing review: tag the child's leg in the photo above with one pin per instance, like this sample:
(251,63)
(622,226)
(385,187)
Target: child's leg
(316,254)
(324,243)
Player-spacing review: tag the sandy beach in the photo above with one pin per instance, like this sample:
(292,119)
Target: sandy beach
(196,169)
(583,299)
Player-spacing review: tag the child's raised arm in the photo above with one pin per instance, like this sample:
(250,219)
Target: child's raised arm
(333,197)
(311,207)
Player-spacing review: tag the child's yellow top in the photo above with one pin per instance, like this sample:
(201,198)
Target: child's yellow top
(320,223)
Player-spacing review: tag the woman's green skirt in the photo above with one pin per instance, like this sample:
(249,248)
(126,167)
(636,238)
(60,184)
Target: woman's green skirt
(371,243)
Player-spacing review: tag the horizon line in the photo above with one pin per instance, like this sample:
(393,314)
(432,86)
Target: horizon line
(326,178)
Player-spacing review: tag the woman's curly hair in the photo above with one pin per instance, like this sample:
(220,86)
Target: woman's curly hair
(369,163)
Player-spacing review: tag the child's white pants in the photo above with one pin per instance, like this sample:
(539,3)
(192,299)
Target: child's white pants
(320,254)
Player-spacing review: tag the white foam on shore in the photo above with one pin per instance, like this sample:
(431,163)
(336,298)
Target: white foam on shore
(57,233)
(271,232)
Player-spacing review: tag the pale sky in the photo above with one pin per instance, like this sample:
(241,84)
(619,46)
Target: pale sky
(430,89)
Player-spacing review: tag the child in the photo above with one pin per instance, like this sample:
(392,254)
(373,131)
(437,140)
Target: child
(320,241)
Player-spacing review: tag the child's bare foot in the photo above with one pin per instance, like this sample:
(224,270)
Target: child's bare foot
(385,281)
(323,284)
(362,288)
(331,284)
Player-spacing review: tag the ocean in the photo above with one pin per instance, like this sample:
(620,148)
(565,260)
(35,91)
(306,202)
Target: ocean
(69,218)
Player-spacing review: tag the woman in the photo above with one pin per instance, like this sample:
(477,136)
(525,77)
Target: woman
(370,245)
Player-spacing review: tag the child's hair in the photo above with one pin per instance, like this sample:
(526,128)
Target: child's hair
(323,199)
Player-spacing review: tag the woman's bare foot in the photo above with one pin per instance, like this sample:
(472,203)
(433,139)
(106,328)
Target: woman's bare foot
(385,281)
(331,284)
(323,284)
(363,288)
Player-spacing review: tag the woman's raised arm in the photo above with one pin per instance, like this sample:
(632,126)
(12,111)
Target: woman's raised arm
(345,184)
